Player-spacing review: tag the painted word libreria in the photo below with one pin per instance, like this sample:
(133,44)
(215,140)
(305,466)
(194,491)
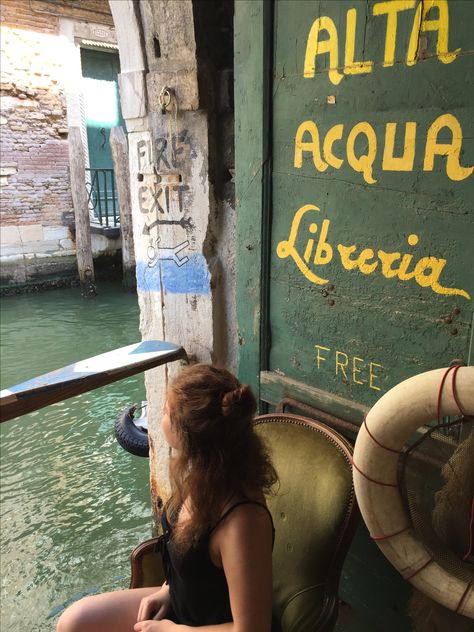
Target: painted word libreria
(426,272)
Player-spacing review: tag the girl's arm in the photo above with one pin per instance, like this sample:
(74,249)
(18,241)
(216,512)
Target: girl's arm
(243,542)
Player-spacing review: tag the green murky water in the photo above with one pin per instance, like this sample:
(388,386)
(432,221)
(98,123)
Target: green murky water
(73,502)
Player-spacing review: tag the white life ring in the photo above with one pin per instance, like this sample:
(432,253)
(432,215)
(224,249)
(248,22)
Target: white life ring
(397,415)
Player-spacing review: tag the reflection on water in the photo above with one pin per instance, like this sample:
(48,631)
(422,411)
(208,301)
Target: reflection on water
(73,502)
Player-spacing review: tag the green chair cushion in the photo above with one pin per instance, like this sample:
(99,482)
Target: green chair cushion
(310,512)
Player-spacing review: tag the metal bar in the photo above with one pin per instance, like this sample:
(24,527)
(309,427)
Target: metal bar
(342,424)
(106,198)
(94,188)
(102,198)
(99,201)
(114,199)
(331,420)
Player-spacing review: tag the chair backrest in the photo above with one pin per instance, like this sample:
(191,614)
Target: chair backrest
(315,514)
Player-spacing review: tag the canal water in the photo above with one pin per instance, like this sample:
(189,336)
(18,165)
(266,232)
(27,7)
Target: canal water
(73,502)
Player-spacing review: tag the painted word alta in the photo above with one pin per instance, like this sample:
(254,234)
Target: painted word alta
(426,272)
(424,20)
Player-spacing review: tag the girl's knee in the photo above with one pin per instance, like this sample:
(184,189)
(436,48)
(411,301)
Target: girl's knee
(79,617)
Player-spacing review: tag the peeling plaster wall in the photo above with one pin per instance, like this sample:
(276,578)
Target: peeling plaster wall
(183,241)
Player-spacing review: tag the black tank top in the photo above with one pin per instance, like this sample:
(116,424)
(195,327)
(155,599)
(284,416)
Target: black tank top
(198,589)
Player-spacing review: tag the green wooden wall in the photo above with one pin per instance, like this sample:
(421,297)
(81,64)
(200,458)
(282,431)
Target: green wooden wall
(355,154)
(354,191)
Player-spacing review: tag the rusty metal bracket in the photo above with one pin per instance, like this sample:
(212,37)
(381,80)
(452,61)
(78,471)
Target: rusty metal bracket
(321,415)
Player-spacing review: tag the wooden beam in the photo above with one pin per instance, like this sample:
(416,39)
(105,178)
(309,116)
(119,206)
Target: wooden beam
(274,387)
(250,157)
(86,375)
(119,147)
(85,263)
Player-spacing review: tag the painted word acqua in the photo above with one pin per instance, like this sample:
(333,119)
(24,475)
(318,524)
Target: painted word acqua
(426,272)
(309,142)
(351,369)
(428,15)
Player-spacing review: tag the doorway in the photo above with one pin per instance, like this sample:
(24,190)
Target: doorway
(100,71)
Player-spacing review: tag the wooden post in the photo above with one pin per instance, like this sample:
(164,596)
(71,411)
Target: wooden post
(119,147)
(85,263)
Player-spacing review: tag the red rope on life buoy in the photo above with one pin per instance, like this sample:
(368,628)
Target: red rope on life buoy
(378,442)
(372,480)
(377,538)
(455,368)
(419,570)
(453,390)
(448,406)
(464,595)
(440,391)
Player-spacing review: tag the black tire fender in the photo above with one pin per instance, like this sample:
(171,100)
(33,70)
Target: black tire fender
(129,436)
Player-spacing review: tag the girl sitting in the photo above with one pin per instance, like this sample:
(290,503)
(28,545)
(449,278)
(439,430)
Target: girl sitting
(217,529)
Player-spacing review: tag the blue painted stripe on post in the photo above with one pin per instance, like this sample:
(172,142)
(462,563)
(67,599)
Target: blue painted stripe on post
(148,279)
(190,278)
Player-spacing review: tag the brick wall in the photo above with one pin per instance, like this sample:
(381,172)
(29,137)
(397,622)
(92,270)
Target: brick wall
(43,16)
(34,142)
(36,206)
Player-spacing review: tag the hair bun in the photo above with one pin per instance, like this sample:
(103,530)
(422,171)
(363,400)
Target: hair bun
(240,401)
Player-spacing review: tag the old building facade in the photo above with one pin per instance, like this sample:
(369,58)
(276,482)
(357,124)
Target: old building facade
(45,49)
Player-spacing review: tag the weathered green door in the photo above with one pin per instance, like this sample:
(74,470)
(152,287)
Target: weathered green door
(367,207)
(102,112)
(101,103)
(354,190)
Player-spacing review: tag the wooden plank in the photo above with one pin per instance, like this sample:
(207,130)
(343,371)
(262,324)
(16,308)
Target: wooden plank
(119,147)
(85,263)
(86,375)
(274,387)
(250,24)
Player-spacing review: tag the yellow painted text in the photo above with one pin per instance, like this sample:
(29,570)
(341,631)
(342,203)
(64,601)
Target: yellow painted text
(350,369)
(323,38)
(426,272)
(362,147)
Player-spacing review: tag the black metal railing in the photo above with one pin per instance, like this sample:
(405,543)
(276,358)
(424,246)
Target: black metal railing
(102,196)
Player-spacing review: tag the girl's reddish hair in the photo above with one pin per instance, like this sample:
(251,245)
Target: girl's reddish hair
(221,457)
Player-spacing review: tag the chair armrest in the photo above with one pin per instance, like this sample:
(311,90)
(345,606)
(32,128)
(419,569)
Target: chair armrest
(147,564)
